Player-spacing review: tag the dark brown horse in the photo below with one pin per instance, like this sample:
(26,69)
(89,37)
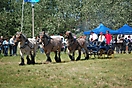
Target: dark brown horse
(27,47)
(76,44)
(51,45)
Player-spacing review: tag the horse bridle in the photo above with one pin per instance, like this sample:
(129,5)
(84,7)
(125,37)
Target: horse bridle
(47,37)
(26,43)
(73,40)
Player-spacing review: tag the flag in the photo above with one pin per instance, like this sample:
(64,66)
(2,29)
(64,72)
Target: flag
(31,1)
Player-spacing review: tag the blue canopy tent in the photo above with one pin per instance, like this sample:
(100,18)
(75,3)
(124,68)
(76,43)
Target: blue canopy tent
(125,29)
(103,29)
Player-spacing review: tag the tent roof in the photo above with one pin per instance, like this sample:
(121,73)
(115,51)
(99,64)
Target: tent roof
(125,29)
(101,28)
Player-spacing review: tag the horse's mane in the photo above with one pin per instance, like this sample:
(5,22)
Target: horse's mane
(21,34)
(70,36)
(24,36)
(47,36)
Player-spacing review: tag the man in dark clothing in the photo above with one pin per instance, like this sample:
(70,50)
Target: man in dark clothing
(15,47)
(1,42)
(5,46)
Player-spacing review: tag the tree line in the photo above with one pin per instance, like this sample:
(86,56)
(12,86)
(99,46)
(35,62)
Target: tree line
(58,16)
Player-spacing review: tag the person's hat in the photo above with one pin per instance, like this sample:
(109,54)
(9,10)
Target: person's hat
(92,32)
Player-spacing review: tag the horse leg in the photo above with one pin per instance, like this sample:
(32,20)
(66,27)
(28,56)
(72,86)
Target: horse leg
(22,61)
(79,56)
(48,58)
(87,54)
(57,59)
(56,56)
(28,60)
(32,58)
(71,56)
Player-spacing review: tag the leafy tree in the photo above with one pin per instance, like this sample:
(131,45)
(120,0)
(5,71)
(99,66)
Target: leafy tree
(58,16)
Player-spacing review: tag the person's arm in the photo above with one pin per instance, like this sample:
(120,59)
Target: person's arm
(90,37)
(110,37)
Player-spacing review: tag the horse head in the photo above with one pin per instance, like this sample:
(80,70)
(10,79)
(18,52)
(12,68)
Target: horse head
(44,37)
(20,37)
(68,35)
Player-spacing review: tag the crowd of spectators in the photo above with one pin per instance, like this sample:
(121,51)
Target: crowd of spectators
(121,43)
(8,46)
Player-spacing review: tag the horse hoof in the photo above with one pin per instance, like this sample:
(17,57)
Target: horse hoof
(72,60)
(86,58)
(21,64)
(77,59)
(32,62)
(58,61)
(29,63)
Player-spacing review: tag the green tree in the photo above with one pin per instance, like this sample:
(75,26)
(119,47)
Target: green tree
(58,16)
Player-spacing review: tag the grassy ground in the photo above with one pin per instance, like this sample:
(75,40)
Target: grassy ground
(92,73)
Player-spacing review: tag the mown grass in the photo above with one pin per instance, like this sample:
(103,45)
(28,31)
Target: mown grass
(92,73)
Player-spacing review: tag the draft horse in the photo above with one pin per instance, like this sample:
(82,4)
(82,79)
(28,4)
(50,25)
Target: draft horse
(51,45)
(76,44)
(27,47)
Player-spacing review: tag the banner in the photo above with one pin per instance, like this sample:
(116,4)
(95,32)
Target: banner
(31,1)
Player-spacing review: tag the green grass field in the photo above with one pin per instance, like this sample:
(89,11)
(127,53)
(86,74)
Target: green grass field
(92,73)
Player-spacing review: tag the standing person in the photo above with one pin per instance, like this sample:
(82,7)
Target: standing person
(129,44)
(5,46)
(101,39)
(108,37)
(93,38)
(1,41)
(15,47)
(123,44)
(11,45)
(40,47)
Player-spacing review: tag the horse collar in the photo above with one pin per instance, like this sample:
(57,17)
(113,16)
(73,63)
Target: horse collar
(26,43)
(47,43)
(73,41)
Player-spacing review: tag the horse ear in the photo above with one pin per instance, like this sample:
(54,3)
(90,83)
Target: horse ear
(19,33)
(43,32)
(70,33)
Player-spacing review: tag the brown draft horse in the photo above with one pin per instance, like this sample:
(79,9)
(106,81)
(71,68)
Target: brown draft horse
(51,45)
(76,44)
(27,47)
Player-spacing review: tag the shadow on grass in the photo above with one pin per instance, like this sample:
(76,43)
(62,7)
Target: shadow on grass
(39,63)
(68,61)
(104,56)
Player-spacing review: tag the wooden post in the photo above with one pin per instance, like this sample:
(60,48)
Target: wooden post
(33,20)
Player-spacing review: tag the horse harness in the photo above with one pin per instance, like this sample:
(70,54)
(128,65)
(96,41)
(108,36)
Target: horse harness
(26,44)
(73,42)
